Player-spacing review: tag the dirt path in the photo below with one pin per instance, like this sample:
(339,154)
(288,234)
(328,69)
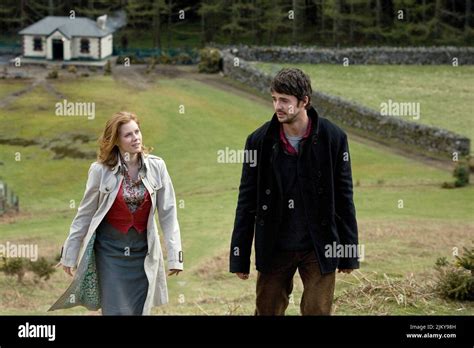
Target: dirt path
(133,76)
(51,90)
(7,100)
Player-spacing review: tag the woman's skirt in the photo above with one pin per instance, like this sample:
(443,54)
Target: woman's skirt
(120,258)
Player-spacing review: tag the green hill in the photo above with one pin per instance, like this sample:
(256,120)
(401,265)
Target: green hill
(397,241)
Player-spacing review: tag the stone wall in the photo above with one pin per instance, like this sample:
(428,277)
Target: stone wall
(355,55)
(416,137)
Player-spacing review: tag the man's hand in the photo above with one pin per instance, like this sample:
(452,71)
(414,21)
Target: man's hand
(243,276)
(344,270)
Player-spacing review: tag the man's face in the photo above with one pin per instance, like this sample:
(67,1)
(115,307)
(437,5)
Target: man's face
(287,107)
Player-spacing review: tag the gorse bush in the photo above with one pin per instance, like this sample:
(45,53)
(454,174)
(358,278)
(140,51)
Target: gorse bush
(456,280)
(53,74)
(17,266)
(210,60)
(72,69)
(14,267)
(42,268)
(461,174)
(108,68)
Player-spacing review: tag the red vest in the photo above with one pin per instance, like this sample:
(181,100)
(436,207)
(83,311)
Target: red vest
(122,219)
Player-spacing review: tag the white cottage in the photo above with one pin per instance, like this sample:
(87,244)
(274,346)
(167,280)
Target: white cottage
(66,39)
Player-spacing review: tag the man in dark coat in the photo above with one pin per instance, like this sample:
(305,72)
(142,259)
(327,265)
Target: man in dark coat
(297,201)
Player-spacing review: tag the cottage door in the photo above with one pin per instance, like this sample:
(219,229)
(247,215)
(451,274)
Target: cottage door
(58,50)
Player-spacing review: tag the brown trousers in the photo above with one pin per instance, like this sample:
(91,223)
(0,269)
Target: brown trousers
(275,287)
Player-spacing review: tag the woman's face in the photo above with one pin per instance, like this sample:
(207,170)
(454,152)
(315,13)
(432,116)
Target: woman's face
(130,138)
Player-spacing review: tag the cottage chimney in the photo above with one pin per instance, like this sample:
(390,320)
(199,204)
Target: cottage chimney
(102,21)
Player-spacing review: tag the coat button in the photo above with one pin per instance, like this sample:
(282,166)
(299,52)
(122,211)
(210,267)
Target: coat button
(324,223)
(264,207)
(267,191)
(261,222)
(320,190)
(319,173)
(107,189)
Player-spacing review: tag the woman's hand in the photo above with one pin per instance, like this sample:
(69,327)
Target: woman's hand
(66,269)
(174,271)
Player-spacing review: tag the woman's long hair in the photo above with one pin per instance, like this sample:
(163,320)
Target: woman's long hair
(108,141)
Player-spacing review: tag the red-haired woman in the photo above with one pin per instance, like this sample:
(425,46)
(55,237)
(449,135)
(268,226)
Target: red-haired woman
(113,241)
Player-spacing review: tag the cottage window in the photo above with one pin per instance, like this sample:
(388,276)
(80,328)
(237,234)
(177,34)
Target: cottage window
(84,46)
(37,44)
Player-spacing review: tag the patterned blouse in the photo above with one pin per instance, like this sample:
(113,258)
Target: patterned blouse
(133,190)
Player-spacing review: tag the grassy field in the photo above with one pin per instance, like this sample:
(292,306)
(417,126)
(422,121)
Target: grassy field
(10,87)
(444,92)
(402,243)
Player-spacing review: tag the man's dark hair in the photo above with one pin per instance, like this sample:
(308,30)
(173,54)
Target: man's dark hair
(293,81)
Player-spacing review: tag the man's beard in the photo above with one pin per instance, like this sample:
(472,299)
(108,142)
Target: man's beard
(290,118)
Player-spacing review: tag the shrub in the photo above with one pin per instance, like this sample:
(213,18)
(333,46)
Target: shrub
(53,74)
(152,63)
(182,58)
(456,280)
(165,59)
(42,268)
(14,267)
(72,69)
(461,174)
(209,60)
(108,68)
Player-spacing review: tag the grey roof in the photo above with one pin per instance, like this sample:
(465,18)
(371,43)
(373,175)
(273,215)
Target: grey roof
(79,26)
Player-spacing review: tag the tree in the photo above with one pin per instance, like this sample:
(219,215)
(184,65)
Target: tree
(210,12)
(235,23)
(10,16)
(332,10)
(169,12)
(95,8)
(274,20)
(159,7)
(139,13)
(297,23)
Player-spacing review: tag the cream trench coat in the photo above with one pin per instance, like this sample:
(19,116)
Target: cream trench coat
(78,251)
